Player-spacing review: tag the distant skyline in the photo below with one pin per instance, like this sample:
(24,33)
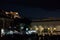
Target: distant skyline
(31,11)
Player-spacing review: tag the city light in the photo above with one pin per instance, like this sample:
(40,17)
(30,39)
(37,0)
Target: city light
(16,13)
(48,28)
(36,28)
(54,28)
(15,31)
(31,31)
(22,27)
(2,30)
(10,32)
(6,12)
(41,28)
(26,28)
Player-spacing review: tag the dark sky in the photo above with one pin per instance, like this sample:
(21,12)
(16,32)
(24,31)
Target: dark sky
(32,9)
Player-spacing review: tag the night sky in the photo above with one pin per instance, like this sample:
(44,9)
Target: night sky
(32,9)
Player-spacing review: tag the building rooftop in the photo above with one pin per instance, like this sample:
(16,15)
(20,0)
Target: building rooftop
(16,14)
(45,19)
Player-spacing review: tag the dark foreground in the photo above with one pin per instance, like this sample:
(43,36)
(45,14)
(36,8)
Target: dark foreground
(30,37)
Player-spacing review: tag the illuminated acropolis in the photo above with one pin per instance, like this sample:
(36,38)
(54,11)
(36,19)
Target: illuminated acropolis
(51,25)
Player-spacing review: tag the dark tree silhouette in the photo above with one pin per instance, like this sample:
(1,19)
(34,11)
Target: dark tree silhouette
(26,22)
(3,14)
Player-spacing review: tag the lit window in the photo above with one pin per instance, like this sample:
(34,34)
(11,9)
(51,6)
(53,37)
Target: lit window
(27,33)
(15,31)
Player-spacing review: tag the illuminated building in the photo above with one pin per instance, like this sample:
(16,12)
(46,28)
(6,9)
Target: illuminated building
(4,20)
(7,18)
(50,25)
(14,14)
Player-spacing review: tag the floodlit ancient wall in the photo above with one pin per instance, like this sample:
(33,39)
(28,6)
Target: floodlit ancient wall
(52,25)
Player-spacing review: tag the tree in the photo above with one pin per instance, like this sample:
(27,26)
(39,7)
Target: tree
(25,21)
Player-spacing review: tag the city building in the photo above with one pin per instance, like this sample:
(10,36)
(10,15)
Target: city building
(7,18)
(48,25)
(13,14)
